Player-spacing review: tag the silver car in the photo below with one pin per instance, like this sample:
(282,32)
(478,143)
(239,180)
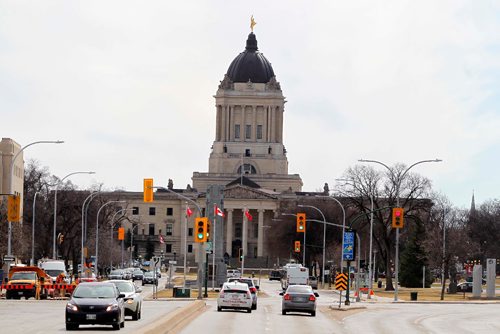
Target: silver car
(299,298)
(133,298)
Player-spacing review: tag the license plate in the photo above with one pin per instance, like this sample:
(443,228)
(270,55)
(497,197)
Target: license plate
(20,293)
(91,316)
(299,299)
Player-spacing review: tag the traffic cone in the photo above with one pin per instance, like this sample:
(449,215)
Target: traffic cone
(371,293)
(356,294)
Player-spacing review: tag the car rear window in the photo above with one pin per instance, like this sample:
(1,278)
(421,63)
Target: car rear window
(299,289)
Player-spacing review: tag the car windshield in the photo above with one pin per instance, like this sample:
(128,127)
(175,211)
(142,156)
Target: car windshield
(23,276)
(94,291)
(299,289)
(53,272)
(124,286)
(148,273)
(116,272)
(138,272)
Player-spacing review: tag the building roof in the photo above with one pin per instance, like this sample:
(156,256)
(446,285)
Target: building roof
(250,65)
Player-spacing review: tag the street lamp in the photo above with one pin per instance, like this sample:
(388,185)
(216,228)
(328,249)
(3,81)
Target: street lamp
(324,240)
(97,233)
(11,191)
(84,222)
(398,180)
(54,256)
(32,262)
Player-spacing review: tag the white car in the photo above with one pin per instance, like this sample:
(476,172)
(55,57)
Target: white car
(236,296)
(132,299)
(233,273)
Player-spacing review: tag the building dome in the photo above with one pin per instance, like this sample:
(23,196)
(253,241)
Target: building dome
(250,65)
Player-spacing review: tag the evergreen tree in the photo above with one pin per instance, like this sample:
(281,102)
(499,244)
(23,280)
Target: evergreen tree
(150,249)
(413,259)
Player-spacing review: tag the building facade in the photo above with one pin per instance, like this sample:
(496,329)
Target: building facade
(8,150)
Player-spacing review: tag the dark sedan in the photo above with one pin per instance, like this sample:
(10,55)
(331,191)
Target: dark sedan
(299,298)
(149,278)
(95,304)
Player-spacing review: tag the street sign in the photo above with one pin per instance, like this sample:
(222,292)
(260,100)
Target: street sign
(327,271)
(172,262)
(341,282)
(208,246)
(348,251)
(8,258)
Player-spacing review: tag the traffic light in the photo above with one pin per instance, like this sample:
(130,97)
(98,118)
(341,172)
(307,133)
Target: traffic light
(121,233)
(296,248)
(240,255)
(301,222)
(14,208)
(397,217)
(148,190)
(200,228)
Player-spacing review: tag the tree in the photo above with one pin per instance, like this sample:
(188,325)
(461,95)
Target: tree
(150,250)
(362,183)
(414,259)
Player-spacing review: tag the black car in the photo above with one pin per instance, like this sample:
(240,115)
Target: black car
(95,304)
(137,274)
(274,275)
(149,278)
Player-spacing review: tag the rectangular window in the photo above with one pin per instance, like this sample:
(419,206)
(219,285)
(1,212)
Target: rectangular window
(255,252)
(151,229)
(135,210)
(170,228)
(152,211)
(168,248)
(248,132)
(237,230)
(159,231)
(259,131)
(190,231)
(190,248)
(142,231)
(237,131)
(255,230)
(170,211)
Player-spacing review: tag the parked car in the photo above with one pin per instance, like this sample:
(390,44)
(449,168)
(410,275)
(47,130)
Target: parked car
(97,303)
(137,274)
(132,299)
(235,295)
(149,278)
(299,298)
(251,286)
(233,273)
(464,287)
(275,275)
(116,274)
(313,282)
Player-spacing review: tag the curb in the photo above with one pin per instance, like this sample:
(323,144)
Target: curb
(168,323)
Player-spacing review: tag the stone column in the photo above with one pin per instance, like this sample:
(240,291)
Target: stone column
(260,237)
(229,232)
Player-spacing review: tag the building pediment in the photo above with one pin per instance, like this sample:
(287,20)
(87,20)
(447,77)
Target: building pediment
(244,192)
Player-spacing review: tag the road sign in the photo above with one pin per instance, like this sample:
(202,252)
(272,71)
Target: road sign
(327,271)
(348,251)
(8,258)
(208,246)
(172,262)
(341,282)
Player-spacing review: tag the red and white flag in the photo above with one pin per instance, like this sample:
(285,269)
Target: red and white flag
(249,216)
(161,239)
(189,212)
(218,211)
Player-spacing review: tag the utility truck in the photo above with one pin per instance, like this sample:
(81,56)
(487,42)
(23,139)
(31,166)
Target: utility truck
(294,274)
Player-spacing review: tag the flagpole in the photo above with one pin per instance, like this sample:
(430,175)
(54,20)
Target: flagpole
(213,247)
(185,243)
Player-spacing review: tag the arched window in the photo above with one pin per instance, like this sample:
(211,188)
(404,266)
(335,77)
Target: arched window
(247,169)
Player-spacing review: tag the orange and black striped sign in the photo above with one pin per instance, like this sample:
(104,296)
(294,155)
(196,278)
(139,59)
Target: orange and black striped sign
(341,282)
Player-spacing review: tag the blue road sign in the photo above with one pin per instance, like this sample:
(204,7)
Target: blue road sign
(348,251)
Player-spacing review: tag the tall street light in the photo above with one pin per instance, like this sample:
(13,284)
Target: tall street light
(84,223)
(54,253)
(398,179)
(11,186)
(32,262)
(97,233)
(324,240)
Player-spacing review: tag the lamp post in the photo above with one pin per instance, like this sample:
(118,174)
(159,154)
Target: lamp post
(324,241)
(97,233)
(398,179)
(84,223)
(54,248)
(11,186)
(32,262)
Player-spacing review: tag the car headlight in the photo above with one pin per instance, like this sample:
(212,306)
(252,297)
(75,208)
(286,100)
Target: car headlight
(71,307)
(112,307)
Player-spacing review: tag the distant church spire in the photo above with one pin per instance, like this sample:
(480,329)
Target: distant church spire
(473,205)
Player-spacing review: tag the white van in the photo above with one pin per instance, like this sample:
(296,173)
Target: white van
(294,274)
(54,268)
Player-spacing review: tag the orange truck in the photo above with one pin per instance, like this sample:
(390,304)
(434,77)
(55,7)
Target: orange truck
(26,282)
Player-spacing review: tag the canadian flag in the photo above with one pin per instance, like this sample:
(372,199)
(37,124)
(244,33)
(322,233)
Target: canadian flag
(189,212)
(161,239)
(218,211)
(249,216)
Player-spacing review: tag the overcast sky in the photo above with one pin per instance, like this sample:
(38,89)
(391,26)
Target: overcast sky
(129,85)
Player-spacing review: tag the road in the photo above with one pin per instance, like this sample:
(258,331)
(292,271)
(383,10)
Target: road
(378,317)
